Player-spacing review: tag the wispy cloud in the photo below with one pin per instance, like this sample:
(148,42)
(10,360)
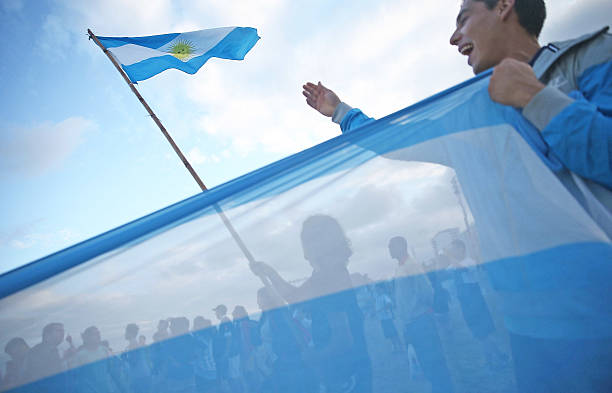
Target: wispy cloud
(36,234)
(63,236)
(571,18)
(18,233)
(196,157)
(56,41)
(42,147)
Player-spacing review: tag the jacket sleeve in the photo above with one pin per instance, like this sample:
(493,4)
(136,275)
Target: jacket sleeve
(578,126)
(349,118)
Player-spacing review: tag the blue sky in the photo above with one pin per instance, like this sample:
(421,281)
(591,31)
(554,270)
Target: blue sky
(80,156)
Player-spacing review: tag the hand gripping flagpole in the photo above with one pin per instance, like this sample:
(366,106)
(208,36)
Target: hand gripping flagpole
(195,176)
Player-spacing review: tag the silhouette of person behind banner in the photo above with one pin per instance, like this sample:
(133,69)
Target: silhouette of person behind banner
(339,354)
(137,361)
(17,349)
(44,360)
(414,296)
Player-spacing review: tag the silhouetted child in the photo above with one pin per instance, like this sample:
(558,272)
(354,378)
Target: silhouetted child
(17,349)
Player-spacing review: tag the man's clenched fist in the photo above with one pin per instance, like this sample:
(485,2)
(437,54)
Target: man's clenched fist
(514,83)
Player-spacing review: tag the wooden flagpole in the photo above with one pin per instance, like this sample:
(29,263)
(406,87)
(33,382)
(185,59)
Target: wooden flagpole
(195,176)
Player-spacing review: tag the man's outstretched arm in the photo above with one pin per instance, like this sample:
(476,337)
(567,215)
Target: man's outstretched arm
(327,103)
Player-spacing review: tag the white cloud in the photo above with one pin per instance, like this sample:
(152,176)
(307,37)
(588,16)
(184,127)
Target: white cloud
(56,40)
(34,150)
(237,12)
(65,28)
(570,18)
(144,17)
(196,157)
(38,239)
(17,233)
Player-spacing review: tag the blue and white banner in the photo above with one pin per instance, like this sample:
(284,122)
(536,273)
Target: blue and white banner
(433,250)
(144,57)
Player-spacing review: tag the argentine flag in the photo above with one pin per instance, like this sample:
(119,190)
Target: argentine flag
(144,57)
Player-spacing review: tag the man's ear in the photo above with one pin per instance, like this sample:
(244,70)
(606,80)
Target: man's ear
(504,8)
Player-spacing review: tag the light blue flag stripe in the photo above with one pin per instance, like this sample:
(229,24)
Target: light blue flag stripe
(234,45)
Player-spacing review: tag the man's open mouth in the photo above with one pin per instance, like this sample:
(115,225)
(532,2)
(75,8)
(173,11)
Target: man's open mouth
(466,49)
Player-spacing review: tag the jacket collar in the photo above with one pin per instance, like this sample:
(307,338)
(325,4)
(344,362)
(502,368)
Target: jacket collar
(557,49)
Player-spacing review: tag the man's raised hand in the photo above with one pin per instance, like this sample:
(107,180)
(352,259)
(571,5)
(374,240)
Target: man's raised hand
(321,98)
(261,269)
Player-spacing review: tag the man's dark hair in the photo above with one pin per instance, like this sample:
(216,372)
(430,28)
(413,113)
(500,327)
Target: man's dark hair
(531,13)
(50,328)
(132,330)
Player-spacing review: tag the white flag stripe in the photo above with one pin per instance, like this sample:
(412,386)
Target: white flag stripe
(131,54)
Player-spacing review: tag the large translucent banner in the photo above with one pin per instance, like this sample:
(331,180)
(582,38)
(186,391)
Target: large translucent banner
(435,250)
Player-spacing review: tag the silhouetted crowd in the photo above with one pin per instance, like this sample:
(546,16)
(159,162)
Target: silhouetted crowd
(238,355)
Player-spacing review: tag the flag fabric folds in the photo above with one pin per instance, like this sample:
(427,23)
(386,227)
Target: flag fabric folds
(144,57)
(432,250)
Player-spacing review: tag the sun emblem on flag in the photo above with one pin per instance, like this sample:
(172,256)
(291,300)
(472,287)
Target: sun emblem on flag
(183,50)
